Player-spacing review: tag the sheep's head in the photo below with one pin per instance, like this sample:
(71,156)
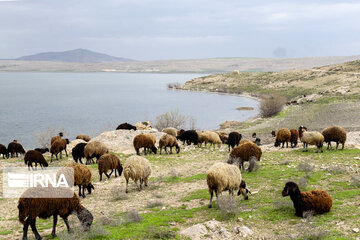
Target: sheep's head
(120,170)
(290,189)
(86,218)
(257,141)
(89,187)
(277,144)
(177,148)
(46,150)
(273,133)
(154,149)
(46,164)
(61,134)
(254,135)
(243,190)
(67,141)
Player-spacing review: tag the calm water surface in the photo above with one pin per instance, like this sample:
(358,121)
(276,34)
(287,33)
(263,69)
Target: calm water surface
(90,103)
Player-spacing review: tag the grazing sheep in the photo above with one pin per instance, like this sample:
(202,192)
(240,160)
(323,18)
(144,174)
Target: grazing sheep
(223,137)
(168,141)
(180,132)
(189,136)
(57,147)
(282,136)
(145,141)
(311,138)
(243,153)
(78,152)
(152,136)
(58,137)
(335,134)
(137,168)
(14,148)
(94,149)
(273,133)
(257,141)
(42,150)
(4,151)
(82,177)
(84,137)
(171,131)
(294,137)
(316,201)
(36,157)
(126,126)
(212,138)
(234,139)
(108,162)
(32,207)
(201,138)
(222,177)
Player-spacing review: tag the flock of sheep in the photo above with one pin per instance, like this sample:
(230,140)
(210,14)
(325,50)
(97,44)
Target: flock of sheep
(220,176)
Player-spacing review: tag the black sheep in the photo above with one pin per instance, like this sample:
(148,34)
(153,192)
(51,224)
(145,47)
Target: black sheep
(36,157)
(126,126)
(189,136)
(78,152)
(42,150)
(15,148)
(234,139)
(4,151)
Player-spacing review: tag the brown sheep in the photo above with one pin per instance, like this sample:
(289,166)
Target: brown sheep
(168,141)
(36,157)
(32,207)
(94,149)
(335,134)
(108,162)
(243,153)
(58,137)
(145,141)
(57,147)
(223,137)
(152,136)
(294,137)
(84,137)
(82,177)
(282,136)
(315,201)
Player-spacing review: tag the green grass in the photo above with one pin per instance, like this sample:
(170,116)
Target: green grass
(5,232)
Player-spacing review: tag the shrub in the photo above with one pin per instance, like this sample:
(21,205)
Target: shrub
(228,206)
(160,233)
(174,119)
(133,216)
(271,105)
(153,203)
(43,138)
(118,195)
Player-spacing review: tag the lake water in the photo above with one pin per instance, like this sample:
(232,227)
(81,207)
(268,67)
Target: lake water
(90,103)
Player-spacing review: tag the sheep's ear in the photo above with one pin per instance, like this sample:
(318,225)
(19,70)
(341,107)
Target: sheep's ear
(243,184)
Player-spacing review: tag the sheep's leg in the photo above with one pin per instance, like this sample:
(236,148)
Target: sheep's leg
(108,175)
(141,183)
(144,150)
(337,144)
(25,229)
(53,233)
(80,161)
(170,150)
(61,155)
(33,228)
(146,182)
(66,221)
(35,165)
(83,191)
(127,183)
(242,166)
(137,186)
(80,190)
(137,151)
(342,146)
(303,147)
(287,144)
(329,145)
(51,157)
(165,150)
(211,197)
(66,152)
(115,173)
(100,176)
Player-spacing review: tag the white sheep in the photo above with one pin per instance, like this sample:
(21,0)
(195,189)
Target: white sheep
(137,168)
(171,131)
(212,138)
(221,177)
(311,138)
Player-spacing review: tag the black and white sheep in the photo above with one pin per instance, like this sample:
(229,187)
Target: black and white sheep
(94,149)
(36,157)
(311,138)
(225,177)
(78,152)
(138,169)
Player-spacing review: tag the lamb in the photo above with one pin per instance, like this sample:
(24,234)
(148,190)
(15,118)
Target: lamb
(14,148)
(316,201)
(126,126)
(57,147)
(335,134)
(137,168)
(171,131)
(78,152)
(32,207)
(108,162)
(84,137)
(243,153)
(145,141)
(42,150)
(282,136)
(82,177)
(294,137)
(94,149)
(312,138)
(234,139)
(212,138)
(36,157)
(58,137)
(168,141)
(189,136)
(221,177)
(4,151)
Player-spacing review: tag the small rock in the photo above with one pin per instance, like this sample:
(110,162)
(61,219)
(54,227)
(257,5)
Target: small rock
(356,230)
(224,233)
(195,232)
(244,231)
(212,225)
(240,219)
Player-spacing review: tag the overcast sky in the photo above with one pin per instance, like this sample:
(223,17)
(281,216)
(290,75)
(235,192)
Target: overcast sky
(181,29)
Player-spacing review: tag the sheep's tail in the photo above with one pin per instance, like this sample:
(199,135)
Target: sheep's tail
(22,213)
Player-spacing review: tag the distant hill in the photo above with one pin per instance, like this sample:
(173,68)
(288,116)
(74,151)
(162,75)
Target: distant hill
(76,55)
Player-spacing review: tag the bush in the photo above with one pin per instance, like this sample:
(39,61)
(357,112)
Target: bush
(133,216)
(228,206)
(271,105)
(174,119)
(43,138)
